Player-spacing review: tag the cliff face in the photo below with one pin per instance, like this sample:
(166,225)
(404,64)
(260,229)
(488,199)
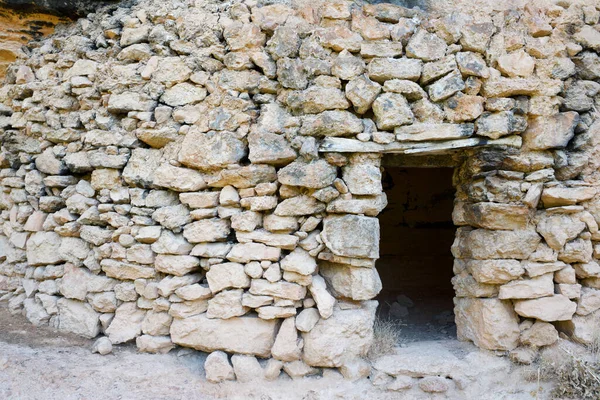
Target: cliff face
(24,20)
(18,28)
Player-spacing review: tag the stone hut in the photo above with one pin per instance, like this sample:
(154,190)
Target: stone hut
(209,174)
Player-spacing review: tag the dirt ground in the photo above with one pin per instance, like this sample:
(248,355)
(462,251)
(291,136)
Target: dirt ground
(40,363)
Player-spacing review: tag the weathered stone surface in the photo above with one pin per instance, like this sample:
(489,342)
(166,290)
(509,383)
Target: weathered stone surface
(362,91)
(533,288)
(218,368)
(363,174)
(391,110)
(426,46)
(352,236)
(227,275)
(287,346)
(78,318)
(331,123)
(202,333)
(551,308)
(317,99)
(345,335)
(352,282)
(484,244)
(518,63)
(558,229)
(315,174)
(540,334)
(176,265)
(127,323)
(207,230)
(553,132)
(446,87)
(299,261)
(495,271)
(206,151)
(178,179)
(43,248)
(383,69)
(307,319)
(226,304)
(496,216)
(269,148)
(182,94)
(430,131)
(489,323)
(141,166)
(589,301)
(565,196)
(282,289)
(298,206)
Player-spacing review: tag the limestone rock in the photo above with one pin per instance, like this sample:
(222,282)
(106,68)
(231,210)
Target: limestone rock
(287,345)
(218,368)
(351,282)
(202,333)
(391,110)
(176,265)
(540,334)
(269,148)
(43,248)
(551,308)
(226,304)
(552,132)
(540,286)
(206,151)
(78,318)
(352,236)
(325,301)
(362,91)
(307,319)
(227,275)
(331,123)
(346,335)
(246,368)
(102,346)
(127,324)
(315,174)
(383,69)
(178,179)
(299,261)
(489,323)
(495,271)
(207,230)
(484,244)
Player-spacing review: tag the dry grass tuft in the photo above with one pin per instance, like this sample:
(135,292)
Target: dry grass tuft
(575,376)
(386,334)
(578,379)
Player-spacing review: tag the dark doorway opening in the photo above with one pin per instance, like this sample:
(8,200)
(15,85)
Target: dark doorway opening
(415,262)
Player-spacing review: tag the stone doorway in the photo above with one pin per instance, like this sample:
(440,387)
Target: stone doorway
(415,262)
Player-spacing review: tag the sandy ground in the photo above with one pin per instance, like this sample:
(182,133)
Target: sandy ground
(40,363)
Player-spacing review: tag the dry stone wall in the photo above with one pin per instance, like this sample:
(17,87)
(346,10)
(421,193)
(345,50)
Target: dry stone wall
(208,175)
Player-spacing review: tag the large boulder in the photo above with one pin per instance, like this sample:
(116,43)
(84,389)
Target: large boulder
(344,336)
(202,333)
(489,323)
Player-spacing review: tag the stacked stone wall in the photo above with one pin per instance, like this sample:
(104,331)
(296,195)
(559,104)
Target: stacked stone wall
(208,174)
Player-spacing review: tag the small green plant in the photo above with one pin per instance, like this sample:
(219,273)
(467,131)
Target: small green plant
(386,334)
